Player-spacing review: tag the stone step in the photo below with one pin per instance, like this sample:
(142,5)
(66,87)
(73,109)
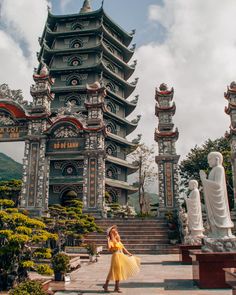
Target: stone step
(167,250)
(128,237)
(138,227)
(141,232)
(139,236)
(132,224)
(131,241)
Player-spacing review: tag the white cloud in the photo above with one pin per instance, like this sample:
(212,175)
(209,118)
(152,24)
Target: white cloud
(198,59)
(64,4)
(23,22)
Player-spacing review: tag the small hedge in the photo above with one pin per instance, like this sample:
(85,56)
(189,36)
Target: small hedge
(28,288)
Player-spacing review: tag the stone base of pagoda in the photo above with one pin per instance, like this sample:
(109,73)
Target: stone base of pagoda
(208,268)
(96,213)
(184,256)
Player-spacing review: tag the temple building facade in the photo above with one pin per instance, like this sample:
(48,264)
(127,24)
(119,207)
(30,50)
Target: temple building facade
(167,159)
(76,127)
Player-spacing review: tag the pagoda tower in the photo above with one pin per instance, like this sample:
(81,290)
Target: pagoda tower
(230,96)
(78,50)
(167,159)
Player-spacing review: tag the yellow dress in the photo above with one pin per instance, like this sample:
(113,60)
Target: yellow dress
(122,266)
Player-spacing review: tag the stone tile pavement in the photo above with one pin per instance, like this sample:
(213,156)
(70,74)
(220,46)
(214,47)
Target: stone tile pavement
(160,274)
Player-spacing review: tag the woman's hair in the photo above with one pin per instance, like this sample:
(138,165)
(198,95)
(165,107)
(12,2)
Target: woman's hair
(111,236)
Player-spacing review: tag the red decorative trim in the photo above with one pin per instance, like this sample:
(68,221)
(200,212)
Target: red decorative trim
(14,110)
(76,122)
(19,113)
(170,108)
(166,134)
(163,92)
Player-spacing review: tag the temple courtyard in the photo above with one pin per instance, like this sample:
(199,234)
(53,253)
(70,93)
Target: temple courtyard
(160,274)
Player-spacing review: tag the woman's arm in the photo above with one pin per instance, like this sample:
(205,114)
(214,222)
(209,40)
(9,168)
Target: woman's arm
(127,252)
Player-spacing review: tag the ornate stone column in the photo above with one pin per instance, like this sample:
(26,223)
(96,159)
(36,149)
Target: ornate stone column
(167,159)
(35,189)
(94,159)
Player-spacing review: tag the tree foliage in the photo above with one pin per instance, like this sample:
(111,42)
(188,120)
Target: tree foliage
(143,156)
(196,160)
(70,223)
(10,189)
(28,288)
(19,234)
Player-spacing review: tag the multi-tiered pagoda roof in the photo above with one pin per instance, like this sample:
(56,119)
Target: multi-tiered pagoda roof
(85,47)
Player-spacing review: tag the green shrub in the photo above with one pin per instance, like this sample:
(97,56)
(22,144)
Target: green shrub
(60,263)
(42,253)
(28,288)
(44,269)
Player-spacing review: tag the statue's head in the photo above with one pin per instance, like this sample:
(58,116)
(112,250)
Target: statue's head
(215,159)
(193,184)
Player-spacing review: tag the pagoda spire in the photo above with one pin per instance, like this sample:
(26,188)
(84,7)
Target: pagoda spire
(86,7)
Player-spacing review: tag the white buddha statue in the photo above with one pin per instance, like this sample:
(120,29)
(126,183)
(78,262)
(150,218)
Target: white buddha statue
(194,210)
(216,198)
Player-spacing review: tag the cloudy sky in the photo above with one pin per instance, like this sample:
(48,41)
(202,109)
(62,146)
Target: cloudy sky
(190,45)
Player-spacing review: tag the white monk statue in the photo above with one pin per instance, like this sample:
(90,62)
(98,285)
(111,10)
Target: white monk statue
(216,198)
(194,210)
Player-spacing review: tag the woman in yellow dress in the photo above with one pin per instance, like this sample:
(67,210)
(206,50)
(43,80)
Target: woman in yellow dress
(122,266)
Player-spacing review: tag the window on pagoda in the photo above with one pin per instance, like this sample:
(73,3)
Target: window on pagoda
(75,62)
(111,172)
(111,128)
(76,44)
(111,67)
(111,150)
(69,170)
(110,48)
(111,107)
(76,27)
(73,81)
(110,86)
(113,196)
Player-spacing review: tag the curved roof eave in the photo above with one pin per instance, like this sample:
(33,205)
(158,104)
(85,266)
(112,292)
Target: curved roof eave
(128,37)
(130,127)
(120,184)
(129,104)
(131,167)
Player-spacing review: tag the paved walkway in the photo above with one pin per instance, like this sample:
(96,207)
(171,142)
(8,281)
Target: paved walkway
(160,275)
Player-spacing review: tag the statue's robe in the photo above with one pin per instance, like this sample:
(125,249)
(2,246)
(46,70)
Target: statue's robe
(217,204)
(194,210)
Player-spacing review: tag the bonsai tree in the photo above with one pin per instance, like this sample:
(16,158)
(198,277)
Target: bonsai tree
(60,265)
(70,224)
(19,234)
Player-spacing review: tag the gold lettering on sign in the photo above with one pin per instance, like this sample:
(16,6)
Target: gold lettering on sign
(65,145)
(169,185)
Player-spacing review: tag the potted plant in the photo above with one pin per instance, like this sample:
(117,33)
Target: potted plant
(92,251)
(60,265)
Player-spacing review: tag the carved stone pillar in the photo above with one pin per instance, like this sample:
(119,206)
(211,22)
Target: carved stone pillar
(167,159)
(34,196)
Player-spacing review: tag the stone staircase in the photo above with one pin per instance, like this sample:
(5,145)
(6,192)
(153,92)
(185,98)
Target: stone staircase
(148,236)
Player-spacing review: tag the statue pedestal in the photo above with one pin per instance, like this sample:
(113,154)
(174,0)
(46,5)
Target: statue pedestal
(208,270)
(227,244)
(184,257)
